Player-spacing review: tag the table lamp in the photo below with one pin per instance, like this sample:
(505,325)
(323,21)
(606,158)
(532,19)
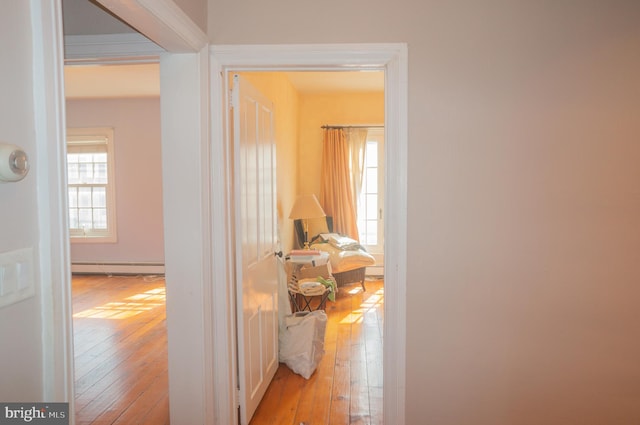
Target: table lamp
(306,207)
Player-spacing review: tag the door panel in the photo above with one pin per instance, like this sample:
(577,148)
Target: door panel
(256,264)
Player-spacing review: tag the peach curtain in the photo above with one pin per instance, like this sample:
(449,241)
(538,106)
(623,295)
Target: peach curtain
(357,142)
(336,195)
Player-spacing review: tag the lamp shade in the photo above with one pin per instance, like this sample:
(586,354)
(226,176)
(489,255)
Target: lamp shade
(306,206)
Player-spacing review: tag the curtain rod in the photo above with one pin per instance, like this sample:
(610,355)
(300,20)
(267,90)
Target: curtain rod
(350,126)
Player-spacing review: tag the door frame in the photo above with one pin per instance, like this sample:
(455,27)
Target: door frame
(54,266)
(391,58)
(185,151)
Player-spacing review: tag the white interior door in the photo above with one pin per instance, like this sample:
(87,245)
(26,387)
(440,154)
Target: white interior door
(256,244)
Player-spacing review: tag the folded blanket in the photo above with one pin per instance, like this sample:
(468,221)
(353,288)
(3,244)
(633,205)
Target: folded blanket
(339,241)
(315,286)
(344,242)
(311,287)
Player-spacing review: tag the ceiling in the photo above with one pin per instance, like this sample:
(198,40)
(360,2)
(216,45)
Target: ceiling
(86,17)
(359,81)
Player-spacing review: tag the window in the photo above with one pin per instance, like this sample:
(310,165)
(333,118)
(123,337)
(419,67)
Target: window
(90,180)
(371,199)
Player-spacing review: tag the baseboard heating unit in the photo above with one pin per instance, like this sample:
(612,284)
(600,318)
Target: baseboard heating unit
(117,268)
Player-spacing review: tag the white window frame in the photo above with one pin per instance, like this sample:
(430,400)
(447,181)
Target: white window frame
(376,134)
(87,137)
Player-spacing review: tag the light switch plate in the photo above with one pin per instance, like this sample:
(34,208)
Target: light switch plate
(2,291)
(18,282)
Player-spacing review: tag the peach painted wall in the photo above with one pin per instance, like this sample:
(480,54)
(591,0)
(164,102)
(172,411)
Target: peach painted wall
(317,110)
(136,124)
(524,199)
(277,87)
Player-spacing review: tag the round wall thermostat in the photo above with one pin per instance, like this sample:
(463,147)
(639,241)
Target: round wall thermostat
(14,163)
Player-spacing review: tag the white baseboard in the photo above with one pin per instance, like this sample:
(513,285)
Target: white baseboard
(117,268)
(374,271)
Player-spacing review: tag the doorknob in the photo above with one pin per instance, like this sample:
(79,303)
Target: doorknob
(278,254)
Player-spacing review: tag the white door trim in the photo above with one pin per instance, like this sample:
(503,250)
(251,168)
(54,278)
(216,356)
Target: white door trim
(185,138)
(53,250)
(162,21)
(392,58)
(104,48)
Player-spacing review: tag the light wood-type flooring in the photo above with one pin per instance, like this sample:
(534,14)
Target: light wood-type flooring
(120,347)
(121,359)
(346,388)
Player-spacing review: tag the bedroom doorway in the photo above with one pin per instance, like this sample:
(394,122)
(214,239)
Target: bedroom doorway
(352,104)
(118,303)
(392,60)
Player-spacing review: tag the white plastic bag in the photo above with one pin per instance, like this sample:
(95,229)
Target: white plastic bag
(302,341)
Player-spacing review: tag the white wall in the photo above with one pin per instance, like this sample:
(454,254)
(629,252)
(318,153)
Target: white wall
(138,171)
(524,207)
(20,327)
(34,357)
(185,133)
(196,10)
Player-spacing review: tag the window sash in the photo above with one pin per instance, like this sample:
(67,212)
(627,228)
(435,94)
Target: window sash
(371,197)
(90,185)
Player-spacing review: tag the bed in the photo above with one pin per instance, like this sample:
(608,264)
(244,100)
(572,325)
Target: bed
(348,259)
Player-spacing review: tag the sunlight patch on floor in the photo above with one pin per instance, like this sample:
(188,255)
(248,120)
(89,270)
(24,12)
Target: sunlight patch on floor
(371,304)
(129,307)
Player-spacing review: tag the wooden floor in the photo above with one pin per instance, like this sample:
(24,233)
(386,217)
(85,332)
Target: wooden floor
(120,345)
(121,359)
(347,386)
